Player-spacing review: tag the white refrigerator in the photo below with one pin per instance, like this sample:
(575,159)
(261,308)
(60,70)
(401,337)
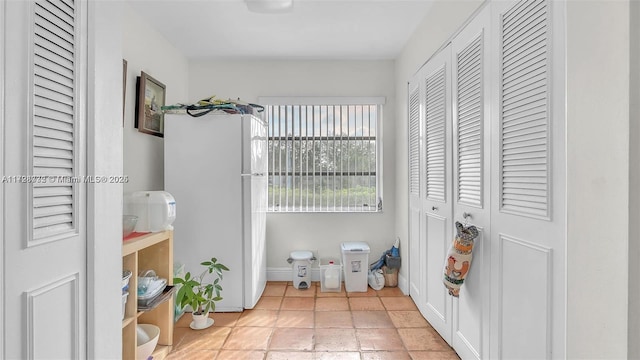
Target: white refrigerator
(215,166)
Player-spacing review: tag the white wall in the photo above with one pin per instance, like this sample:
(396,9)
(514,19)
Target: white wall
(597,178)
(439,24)
(321,233)
(146,50)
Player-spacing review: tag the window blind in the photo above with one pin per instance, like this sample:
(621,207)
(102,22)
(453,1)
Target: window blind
(324,158)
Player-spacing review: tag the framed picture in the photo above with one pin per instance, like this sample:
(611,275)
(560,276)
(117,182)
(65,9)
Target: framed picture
(124,88)
(151,97)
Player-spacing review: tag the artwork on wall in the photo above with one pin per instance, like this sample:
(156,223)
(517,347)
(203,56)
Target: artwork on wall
(150,99)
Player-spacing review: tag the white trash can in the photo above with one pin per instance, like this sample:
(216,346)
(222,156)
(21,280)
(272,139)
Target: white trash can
(355,262)
(301,261)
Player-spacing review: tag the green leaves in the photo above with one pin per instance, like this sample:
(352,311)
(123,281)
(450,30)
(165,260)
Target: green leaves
(197,293)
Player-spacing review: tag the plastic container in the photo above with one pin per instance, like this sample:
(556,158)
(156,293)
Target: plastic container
(330,275)
(301,271)
(355,260)
(156,210)
(128,224)
(125,295)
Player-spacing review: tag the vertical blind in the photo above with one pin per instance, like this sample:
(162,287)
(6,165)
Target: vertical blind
(324,158)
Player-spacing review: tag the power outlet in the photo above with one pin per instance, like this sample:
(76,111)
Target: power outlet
(316,256)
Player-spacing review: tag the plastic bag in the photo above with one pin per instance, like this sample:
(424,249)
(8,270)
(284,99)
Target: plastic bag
(376,279)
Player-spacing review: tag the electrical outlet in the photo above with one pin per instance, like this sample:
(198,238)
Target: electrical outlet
(315,255)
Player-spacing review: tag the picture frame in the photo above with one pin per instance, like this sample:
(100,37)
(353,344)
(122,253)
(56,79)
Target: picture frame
(151,95)
(124,89)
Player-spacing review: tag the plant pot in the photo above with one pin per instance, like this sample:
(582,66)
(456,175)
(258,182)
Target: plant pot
(200,321)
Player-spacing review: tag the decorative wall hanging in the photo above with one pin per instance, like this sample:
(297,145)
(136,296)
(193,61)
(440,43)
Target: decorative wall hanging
(458,261)
(150,99)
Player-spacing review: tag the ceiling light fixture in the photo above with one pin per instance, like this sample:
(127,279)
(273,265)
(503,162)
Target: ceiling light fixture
(269,6)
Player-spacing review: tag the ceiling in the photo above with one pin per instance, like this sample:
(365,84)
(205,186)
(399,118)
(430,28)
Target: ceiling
(315,29)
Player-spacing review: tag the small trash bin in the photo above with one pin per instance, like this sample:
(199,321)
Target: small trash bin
(301,261)
(355,260)
(330,278)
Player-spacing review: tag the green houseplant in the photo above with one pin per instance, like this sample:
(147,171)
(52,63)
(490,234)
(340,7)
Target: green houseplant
(200,294)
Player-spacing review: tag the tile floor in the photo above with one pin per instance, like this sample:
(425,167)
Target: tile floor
(293,324)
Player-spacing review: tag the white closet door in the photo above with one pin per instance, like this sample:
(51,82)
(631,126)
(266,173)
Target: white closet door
(437,196)
(527,211)
(471,142)
(416,237)
(44,225)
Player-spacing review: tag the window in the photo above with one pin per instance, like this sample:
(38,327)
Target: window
(324,154)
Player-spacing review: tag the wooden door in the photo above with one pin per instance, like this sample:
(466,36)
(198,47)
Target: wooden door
(528,180)
(44,188)
(471,180)
(437,196)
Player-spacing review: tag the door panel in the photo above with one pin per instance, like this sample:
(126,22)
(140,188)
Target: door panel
(44,324)
(415,257)
(416,230)
(437,297)
(528,278)
(45,238)
(471,144)
(524,323)
(469,317)
(437,197)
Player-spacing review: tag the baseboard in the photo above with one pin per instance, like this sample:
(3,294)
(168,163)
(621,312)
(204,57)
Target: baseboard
(285,274)
(403,284)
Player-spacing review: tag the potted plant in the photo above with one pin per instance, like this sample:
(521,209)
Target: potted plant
(200,294)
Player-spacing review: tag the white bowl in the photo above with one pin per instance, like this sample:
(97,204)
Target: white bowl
(147,336)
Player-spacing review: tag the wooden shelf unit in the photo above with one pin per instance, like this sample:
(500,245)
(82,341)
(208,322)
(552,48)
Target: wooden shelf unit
(153,251)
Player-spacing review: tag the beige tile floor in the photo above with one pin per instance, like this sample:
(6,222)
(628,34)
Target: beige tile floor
(293,324)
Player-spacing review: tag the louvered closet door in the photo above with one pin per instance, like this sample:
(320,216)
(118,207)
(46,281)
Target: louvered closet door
(471,180)
(416,242)
(44,193)
(437,195)
(527,201)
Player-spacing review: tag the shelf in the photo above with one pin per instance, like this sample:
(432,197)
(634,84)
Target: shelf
(144,252)
(166,294)
(143,241)
(128,320)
